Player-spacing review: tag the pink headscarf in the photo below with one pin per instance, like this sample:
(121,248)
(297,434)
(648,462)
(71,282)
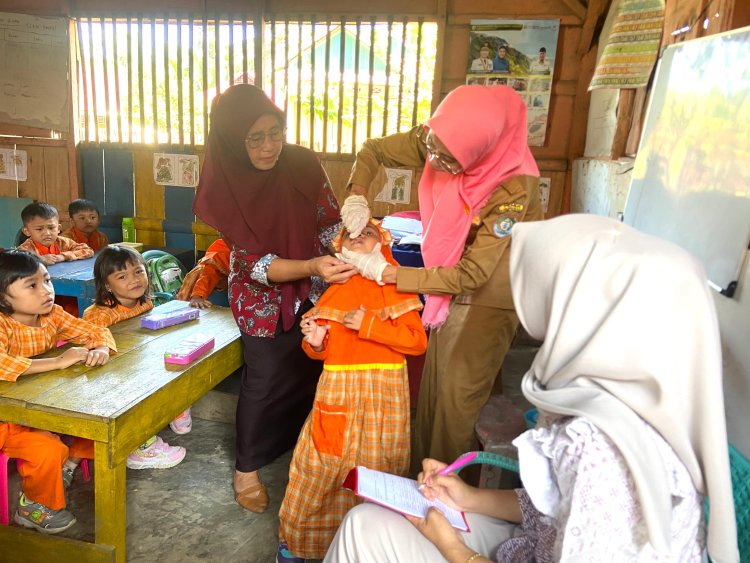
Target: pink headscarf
(484,128)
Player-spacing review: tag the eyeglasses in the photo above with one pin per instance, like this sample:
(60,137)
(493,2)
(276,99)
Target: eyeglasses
(447,163)
(256,140)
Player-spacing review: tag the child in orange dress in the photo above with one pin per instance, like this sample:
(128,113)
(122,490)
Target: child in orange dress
(122,293)
(361,331)
(30,324)
(85,217)
(210,273)
(41,224)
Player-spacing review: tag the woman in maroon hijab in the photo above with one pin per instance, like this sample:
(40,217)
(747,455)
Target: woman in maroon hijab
(274,206)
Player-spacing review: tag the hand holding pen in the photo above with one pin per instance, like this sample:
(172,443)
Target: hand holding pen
(460,462)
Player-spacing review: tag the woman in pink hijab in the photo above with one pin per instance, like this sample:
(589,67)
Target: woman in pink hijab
(478,179)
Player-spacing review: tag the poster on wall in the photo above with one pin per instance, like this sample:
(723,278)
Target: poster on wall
(176,170)
(397,187)
(34,53)
(520,54)
(13,165)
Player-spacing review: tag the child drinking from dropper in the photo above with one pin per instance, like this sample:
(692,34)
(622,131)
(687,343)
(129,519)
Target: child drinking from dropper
(30,324)
(122,292)
(361,330)
(84,215)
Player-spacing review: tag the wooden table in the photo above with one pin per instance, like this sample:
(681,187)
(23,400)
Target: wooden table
(75,278)
(119,406)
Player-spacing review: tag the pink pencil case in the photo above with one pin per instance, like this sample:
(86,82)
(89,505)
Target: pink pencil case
(189,349)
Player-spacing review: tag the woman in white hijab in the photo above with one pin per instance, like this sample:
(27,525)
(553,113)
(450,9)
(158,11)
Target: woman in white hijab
(631,435)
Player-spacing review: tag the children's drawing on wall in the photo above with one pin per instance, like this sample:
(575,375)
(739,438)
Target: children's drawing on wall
(188,166)
(176,169)
(544,187)
(13,165)
(397,188)
(520,54)
(163,171)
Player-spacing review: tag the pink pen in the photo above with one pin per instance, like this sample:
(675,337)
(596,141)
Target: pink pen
(462,460)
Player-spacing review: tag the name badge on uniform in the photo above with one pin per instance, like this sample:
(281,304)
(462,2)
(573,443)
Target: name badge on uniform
(503,225)
(517,207)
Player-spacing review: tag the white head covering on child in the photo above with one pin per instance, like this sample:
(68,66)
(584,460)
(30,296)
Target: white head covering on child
(629,330)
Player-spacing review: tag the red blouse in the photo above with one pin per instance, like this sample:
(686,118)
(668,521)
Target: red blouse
(256,301)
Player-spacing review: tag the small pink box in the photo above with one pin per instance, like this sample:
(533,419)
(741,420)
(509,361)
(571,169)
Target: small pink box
(189,349)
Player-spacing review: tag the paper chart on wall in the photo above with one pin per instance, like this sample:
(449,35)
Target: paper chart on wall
(544,187)
(13,165)
(176,170)
(397,187)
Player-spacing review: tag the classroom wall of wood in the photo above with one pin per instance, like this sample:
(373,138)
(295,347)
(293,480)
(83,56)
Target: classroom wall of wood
(155,206)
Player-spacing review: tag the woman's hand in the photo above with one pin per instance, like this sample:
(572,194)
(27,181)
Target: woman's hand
(371,265)
(436,528)
(331,269)
(389,274)
(200,303)
(314,333)
(450,489)
(353,319)
(355,213)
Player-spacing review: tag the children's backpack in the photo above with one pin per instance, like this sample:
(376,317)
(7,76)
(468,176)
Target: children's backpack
(165,273)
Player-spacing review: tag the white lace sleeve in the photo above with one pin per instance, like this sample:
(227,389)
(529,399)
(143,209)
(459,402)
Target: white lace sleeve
(576,475)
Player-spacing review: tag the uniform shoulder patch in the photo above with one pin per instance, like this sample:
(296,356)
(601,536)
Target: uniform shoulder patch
(503,225)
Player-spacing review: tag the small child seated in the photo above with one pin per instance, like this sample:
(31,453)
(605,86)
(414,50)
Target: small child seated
(361,330)
(211,272)
(85,218)
(41,224)
(122,292)
(30,324)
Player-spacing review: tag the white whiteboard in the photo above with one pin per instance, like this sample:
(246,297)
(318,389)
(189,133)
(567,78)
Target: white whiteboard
(691,180)
(34,55)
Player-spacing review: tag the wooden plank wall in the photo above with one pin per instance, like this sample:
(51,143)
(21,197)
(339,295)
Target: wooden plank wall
(51,177)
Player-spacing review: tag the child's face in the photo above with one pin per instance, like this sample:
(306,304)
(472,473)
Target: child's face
(42,231)
(364,243)
(86,221)
(33,295)
(128,285)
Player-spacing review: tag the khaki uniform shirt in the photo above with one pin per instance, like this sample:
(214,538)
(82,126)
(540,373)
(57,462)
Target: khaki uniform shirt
(482,275)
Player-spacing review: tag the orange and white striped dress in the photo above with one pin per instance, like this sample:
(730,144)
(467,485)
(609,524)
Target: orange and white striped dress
(361,411)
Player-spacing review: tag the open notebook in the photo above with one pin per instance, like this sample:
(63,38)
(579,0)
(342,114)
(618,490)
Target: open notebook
(399,494)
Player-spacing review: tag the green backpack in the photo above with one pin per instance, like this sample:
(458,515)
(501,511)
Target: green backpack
(165,273)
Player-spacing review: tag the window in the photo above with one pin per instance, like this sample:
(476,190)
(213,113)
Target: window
(151,80)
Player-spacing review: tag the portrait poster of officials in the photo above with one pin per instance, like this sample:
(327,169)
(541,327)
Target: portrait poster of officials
(520,54)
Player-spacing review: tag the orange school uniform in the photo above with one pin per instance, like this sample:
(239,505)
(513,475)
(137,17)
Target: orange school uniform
(43,451)
(69,248)
(104,316)
(43,455)
(211,271)
(96,240)
(19,342)
(360,414)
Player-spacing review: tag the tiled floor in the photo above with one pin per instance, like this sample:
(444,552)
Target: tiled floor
(188,513)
